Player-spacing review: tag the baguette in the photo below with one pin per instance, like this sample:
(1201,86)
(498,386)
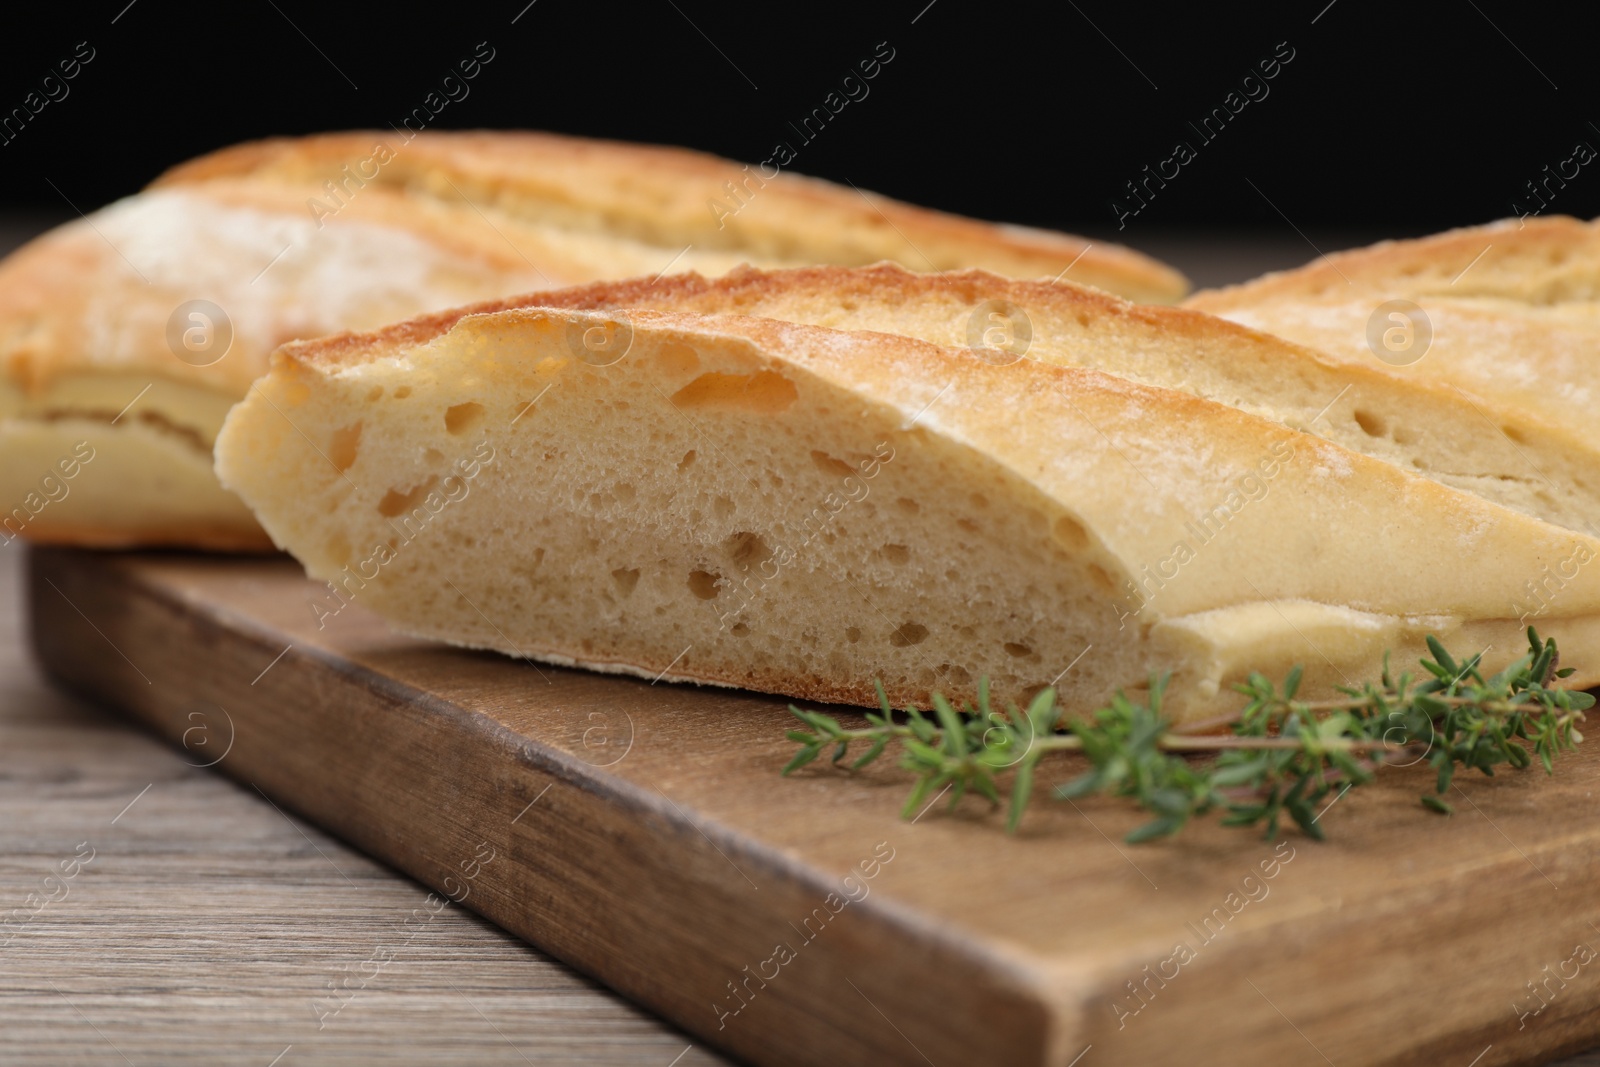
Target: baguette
(735,500)
(287,240)
(1513,309)
(1414,423)
(666,199)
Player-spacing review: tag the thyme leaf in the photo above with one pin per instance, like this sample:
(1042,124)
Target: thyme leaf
(1277,759)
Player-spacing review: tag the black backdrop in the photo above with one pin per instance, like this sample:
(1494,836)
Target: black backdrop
(1387,118)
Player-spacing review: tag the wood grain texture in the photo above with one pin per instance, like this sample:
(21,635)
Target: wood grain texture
(207,921)
(640,833)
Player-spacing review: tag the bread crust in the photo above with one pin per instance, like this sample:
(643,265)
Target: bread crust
(663,193)
(883,281)
(1492,259)
(1510,313)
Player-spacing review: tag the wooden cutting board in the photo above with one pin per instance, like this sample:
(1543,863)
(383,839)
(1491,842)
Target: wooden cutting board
(641,833)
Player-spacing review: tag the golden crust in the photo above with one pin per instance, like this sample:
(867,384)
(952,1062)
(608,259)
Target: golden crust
(1522,259)
(667,196)
(95,296)
(884,281)
(1511,309)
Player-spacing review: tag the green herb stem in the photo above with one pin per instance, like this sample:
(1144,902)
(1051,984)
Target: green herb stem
(1278,757)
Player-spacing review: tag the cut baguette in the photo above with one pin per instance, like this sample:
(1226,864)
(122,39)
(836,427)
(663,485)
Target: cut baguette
(289,240)
(1514,314)
(791,508)
(1415,423)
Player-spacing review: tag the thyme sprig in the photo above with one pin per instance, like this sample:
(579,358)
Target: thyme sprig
(1278,757)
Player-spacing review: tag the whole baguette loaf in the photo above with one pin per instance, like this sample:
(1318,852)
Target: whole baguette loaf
(742,501)
(298,238)
(1510,321)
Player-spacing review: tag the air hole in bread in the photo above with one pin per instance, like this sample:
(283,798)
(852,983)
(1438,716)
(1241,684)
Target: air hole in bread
(739,629)
(746,550)
(852,634)
(1069,532)
(343,445)
(967,525)
(1014,649)
(1514,434)
(396,502)
(1403,435)
(625,579)
(402,392)
(530,570)
(979,501)
(687,460)
(703,584)
(375,394)
(908,634)
(460,418)
(1101,579)
(762,393)
(625,493)
(828,465)
(907,505)
(897,554)
(723,508)
(1371,425)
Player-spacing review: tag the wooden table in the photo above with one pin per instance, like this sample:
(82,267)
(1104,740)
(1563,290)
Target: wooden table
(207,919)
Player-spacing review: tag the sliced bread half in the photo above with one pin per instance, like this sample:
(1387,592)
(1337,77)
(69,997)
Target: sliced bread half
(1512,456)
(792,508)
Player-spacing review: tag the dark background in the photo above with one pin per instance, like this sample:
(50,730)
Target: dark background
(1391,118)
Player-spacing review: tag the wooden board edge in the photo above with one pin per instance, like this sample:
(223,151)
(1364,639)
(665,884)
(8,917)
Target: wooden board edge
(681,905)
